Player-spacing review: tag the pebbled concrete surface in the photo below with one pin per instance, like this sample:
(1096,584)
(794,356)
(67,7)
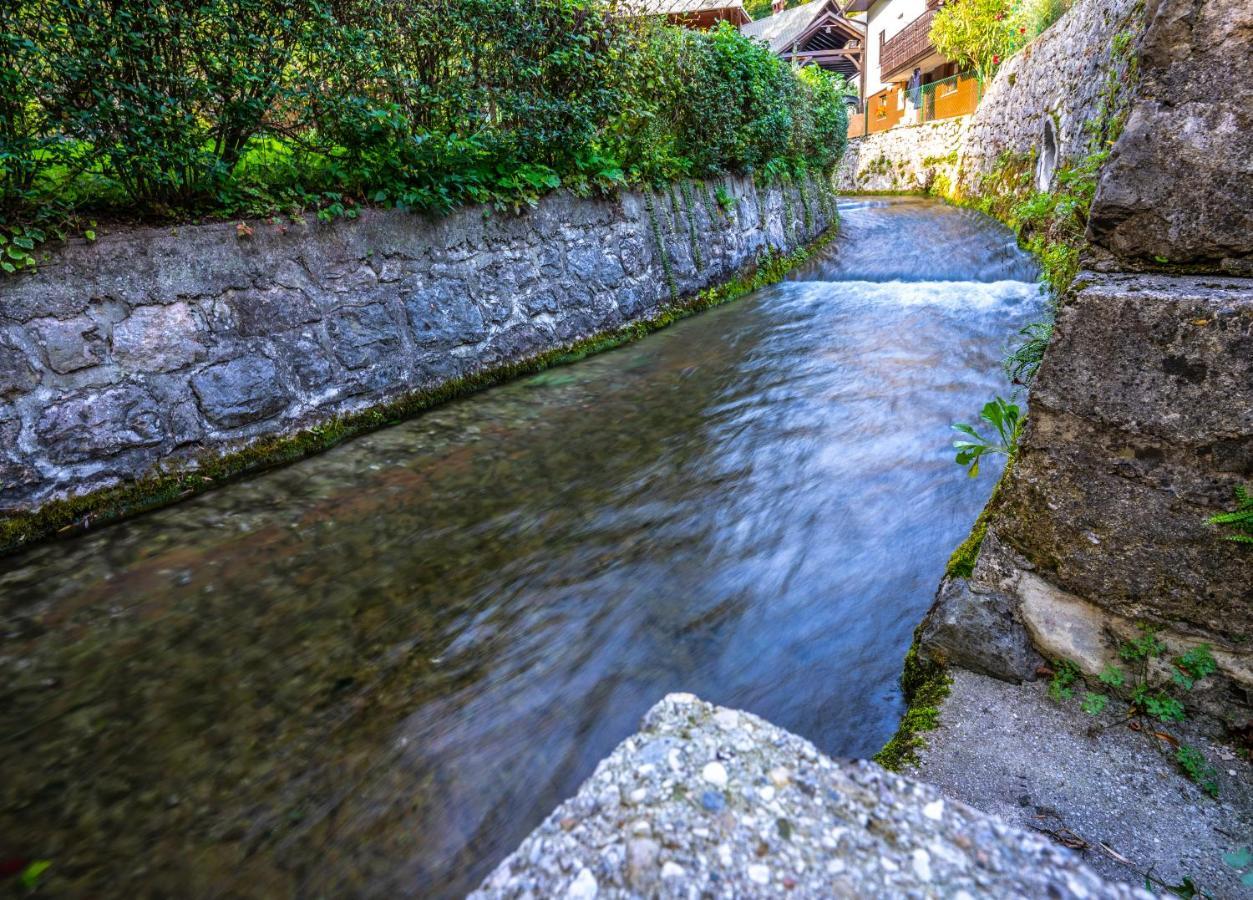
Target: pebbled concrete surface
(1011,751)
(711,802)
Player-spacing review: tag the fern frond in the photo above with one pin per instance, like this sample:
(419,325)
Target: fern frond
(1240,519)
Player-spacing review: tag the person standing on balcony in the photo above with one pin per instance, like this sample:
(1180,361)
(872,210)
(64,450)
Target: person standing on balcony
(915,93)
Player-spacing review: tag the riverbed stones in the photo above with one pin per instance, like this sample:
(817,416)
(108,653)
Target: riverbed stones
(831,829)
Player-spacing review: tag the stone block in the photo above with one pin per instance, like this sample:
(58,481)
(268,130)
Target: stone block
(17,376)
(444,315)
(69,345)
(98,424)
(977,629)
(364,335)
(240,391)
(1179,182)
(158,339)
(594,266)
(307,357)
(1141,427)
(264,311)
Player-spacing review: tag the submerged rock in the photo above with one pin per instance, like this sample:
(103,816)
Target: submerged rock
(794,822)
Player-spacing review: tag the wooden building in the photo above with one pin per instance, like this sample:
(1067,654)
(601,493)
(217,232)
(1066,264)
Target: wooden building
(697,14)
(898,41)
(815,33)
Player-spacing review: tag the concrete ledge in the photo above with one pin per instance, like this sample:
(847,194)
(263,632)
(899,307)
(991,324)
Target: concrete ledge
(711,802)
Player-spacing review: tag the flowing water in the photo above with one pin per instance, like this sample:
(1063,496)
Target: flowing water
(373,672)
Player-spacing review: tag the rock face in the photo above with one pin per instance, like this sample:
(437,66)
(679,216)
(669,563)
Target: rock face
(710,802)
(1141,427)
(154,346)
(1179,184)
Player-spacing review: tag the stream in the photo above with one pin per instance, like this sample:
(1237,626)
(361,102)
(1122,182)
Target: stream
(372,673)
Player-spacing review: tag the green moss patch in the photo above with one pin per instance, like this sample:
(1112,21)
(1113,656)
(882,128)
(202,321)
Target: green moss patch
(76,514)
(925,684)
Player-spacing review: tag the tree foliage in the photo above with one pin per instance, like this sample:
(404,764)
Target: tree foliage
(171,108)
(982,34)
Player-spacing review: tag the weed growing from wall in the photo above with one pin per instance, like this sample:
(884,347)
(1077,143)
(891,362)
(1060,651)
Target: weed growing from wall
(1239,520)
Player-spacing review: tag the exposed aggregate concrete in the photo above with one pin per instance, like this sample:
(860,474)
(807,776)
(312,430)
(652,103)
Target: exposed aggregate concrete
(711,802)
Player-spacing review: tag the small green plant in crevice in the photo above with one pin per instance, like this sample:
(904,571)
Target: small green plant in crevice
(1194,765)
(1239,520)
(33,872)
(1005,418)
(1152,701)
(1065,675)
(1022,362)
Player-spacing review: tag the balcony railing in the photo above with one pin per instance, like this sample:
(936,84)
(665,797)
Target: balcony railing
(957,95)
(907,46)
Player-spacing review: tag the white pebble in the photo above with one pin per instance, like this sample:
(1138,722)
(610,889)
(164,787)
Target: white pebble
(922,864)
(759,874)
(934,810)
(638,795)
(766,793)
(715,773)
(836,866)
(728,719)
(584,886)
(672,870)
(724,854)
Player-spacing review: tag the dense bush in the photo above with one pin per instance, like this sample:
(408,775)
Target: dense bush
(176,108)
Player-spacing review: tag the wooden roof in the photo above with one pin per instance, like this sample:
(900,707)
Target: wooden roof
(816,32)
(731,10)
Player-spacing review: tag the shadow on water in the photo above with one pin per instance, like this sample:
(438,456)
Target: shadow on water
(373,672)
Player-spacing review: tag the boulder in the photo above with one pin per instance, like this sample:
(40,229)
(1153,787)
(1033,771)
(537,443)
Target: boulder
(1178,187)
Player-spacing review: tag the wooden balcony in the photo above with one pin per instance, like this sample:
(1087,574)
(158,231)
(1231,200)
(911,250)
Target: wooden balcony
(906,47)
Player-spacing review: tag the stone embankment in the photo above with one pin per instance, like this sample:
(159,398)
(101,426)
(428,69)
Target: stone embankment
(152,348)
(711,802)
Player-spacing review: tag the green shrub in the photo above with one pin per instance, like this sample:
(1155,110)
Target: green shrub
(167,109)
(979,34)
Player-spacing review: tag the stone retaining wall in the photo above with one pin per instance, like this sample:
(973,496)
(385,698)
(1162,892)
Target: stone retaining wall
(1051,93)
(151,347)
(911,158)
